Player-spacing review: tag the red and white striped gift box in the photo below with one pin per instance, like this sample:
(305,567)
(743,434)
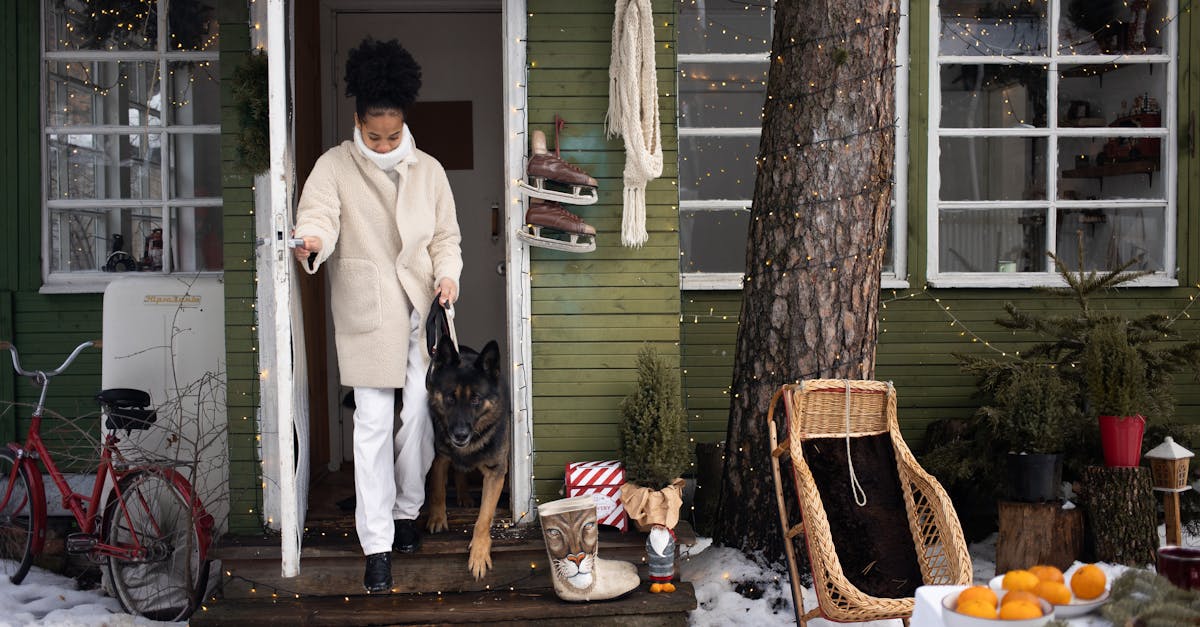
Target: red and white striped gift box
(603,481)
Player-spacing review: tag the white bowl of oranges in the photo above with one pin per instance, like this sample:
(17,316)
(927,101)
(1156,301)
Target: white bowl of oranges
(1074,593)
(980,606)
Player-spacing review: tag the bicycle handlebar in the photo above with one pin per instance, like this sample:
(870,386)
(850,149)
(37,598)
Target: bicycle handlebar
(16,360)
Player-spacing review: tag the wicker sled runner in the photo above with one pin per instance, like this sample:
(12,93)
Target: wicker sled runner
(830,409)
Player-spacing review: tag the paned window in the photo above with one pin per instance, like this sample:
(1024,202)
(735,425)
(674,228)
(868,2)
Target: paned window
(1051,123)
(724,55)
(132,164)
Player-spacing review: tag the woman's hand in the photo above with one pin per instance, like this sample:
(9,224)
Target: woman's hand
(311,246)
(447,292)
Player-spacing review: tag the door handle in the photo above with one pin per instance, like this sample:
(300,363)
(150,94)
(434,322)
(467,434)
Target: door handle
(495,222)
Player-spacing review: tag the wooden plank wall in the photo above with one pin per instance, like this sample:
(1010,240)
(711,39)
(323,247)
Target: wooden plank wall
(917,340)
(241,331)
(592,313)
(44,327)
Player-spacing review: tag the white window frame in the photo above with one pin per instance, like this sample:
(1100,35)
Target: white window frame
(90,281)
(1052,132)
(897,279)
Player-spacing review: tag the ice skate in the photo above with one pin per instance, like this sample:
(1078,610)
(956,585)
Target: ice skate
(564,230)
(545,168)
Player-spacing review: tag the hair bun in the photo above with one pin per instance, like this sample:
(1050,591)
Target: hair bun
(382,75)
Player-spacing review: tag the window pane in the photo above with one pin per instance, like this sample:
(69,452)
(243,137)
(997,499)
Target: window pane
(722,94)
(993,168)
(108,240)
(707,26)
(992,240)
(991,27)
(192,25)
(1131,27)
(1110,167)
(1107,95)
(195,92)
(1004,96)
(713,241)
(1111,237)
(196,237)
(93,25)
(104,166)
(196,166)
(716,168)
(125,93)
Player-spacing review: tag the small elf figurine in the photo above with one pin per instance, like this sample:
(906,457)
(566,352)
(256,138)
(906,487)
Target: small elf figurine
(660,557)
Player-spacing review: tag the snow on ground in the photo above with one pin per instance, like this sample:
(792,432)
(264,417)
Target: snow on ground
(731,589)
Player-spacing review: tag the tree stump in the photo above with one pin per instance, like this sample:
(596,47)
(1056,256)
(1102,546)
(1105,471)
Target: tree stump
(1038,533)
(1122,514)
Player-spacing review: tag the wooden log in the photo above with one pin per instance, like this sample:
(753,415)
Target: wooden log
(1122,514)
(1037,533)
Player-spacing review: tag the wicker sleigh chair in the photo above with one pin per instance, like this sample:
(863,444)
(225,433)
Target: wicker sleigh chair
(821,409)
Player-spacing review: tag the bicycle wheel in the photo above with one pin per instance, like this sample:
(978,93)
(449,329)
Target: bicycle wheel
(16,520)
(166,581)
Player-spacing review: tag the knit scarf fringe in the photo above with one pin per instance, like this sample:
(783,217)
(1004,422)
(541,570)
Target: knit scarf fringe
(633,111)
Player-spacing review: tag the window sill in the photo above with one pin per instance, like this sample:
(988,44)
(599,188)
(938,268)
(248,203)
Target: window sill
(1001,280)
(96,282)
(732,281)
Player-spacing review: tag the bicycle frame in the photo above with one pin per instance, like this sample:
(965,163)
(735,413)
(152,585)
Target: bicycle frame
(84,508)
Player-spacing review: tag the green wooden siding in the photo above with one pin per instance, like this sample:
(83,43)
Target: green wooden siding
(241,331)
(592,313)
(917,341)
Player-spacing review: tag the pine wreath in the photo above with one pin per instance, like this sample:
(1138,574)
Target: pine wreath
(250,98)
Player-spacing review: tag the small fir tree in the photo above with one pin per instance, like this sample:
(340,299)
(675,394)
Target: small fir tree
(1114,373)
(654,446)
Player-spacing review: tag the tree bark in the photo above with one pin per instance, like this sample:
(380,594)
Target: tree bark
(822,204)
(1038,533)
(1122,514)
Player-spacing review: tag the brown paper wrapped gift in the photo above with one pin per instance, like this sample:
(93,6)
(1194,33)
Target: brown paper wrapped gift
(648,507)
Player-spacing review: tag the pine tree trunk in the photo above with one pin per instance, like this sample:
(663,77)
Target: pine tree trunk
(1038,533)
(822,203)
(1122,514)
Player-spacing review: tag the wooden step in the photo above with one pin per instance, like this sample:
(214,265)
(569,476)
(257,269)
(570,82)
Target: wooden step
(507,607)
(332,564)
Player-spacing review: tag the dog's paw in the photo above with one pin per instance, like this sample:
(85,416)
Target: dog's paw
(481,558)
(437,522)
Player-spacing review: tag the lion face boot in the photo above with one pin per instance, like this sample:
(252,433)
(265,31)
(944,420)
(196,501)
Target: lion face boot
(572,541)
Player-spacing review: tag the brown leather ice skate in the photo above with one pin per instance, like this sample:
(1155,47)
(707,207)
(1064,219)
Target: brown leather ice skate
(544,167)
(551,215)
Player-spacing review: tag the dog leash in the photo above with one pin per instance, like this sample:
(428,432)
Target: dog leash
(438,325)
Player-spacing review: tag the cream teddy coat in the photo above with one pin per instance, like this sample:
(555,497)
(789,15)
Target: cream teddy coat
(388,244)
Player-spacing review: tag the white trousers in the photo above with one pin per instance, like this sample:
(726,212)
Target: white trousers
(389,472)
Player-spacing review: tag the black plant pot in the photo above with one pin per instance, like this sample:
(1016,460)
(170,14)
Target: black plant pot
(1034,477)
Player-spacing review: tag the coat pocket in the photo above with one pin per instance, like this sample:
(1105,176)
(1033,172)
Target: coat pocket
(355,296)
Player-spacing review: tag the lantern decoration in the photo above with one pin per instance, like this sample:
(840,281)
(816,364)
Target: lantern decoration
(1169,469)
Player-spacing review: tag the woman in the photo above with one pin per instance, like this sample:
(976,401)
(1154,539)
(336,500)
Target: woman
(382,214)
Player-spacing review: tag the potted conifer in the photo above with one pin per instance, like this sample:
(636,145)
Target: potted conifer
(1115,383)
(656,452)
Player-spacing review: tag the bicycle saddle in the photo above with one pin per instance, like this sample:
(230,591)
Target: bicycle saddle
(124,397)
(127,409)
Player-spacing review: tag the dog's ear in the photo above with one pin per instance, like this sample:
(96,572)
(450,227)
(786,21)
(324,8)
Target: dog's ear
(445,354)
(489,360)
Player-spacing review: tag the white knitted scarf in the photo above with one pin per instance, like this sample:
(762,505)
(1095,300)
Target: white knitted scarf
(633,111)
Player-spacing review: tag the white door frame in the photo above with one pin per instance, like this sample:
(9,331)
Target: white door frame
(516,257)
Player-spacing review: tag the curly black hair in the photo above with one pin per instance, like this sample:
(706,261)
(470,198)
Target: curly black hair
(381,75)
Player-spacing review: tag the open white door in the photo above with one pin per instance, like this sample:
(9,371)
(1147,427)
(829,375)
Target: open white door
(283,379)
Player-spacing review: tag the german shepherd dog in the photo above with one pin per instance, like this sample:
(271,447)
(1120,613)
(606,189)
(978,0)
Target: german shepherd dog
(468,405)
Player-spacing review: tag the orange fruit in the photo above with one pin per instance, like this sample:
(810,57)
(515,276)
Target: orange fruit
(1019,610)
(1019,580)
(978,593)
(1047,573)
(977,608)
(1053,591)
(1019,595)
(1088,582)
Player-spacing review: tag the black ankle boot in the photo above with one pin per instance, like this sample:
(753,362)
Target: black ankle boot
(378,577)
(407,538)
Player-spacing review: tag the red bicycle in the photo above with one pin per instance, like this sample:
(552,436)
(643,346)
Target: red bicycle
(151,535)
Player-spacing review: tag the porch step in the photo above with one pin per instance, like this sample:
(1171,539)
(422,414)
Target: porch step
(332,564)
(535,606)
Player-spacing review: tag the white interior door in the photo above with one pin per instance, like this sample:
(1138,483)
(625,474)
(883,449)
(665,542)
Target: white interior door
(461,56)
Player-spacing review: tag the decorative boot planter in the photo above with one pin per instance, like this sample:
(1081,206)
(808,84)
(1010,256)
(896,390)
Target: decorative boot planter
(1034,477)
(1121,439)
(572,542)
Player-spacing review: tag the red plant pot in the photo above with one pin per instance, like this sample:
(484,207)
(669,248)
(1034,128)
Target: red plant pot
(1121,439)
